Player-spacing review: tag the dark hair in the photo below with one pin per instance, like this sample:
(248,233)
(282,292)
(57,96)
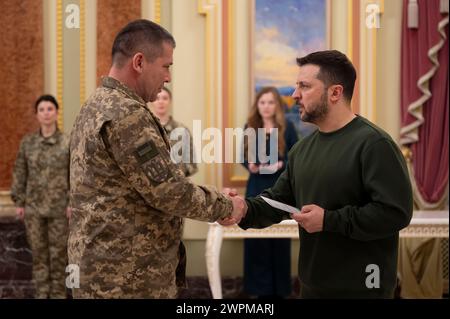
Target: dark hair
(47,98)
(168,91)
(335,68)
(140,36)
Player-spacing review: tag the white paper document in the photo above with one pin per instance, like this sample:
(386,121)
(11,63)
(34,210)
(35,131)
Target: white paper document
(279,205)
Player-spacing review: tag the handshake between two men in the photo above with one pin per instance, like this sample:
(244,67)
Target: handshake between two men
(239,208)
(310,217)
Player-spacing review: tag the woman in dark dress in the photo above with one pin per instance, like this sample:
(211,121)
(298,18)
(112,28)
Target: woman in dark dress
(267,262)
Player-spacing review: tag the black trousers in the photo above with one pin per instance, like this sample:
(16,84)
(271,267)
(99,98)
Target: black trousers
(267,266)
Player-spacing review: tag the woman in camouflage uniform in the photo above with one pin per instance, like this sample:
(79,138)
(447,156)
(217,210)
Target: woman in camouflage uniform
(40,193)
(161,108)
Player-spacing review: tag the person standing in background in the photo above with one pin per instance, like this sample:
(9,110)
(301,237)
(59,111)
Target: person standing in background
(40,191)
(161,107)
(267,262)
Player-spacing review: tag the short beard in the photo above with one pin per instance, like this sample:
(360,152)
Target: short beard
(319,111)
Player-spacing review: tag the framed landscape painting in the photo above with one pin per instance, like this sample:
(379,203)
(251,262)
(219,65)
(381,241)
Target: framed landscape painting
(282,31)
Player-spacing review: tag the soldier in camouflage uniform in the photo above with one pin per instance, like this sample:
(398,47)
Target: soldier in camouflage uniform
(161,108)
(40,191)
(128,198)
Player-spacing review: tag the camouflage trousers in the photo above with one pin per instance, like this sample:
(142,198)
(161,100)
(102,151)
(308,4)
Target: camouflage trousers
(47,237)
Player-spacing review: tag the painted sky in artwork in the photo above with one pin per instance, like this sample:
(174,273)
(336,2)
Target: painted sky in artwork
(284,30)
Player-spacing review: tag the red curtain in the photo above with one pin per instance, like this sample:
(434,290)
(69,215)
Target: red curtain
(425,99)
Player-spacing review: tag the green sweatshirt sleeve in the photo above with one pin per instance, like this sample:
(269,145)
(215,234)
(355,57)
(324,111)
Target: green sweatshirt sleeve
(260,214)
(389,209)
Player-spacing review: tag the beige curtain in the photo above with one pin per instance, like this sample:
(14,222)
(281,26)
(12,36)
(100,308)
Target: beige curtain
(420,268)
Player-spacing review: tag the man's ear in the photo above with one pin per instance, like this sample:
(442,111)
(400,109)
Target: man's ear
(336,93)
(137,62)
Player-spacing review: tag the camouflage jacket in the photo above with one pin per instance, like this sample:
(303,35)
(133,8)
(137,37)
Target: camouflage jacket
(41,174)
(128,199)
(189,167)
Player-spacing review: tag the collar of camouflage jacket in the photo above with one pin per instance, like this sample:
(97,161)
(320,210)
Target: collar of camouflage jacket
(51,139)
(170,125)
(112,83)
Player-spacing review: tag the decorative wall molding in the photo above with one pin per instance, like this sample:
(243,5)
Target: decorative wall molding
(211,10)
(368,60)
(157,7)
(59,63)
(82,51)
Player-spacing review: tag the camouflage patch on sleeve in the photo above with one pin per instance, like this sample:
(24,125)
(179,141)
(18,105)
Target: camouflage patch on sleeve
(146,152)
(152,162)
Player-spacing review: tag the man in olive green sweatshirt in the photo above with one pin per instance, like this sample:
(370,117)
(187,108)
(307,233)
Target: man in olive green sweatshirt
(350,183)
